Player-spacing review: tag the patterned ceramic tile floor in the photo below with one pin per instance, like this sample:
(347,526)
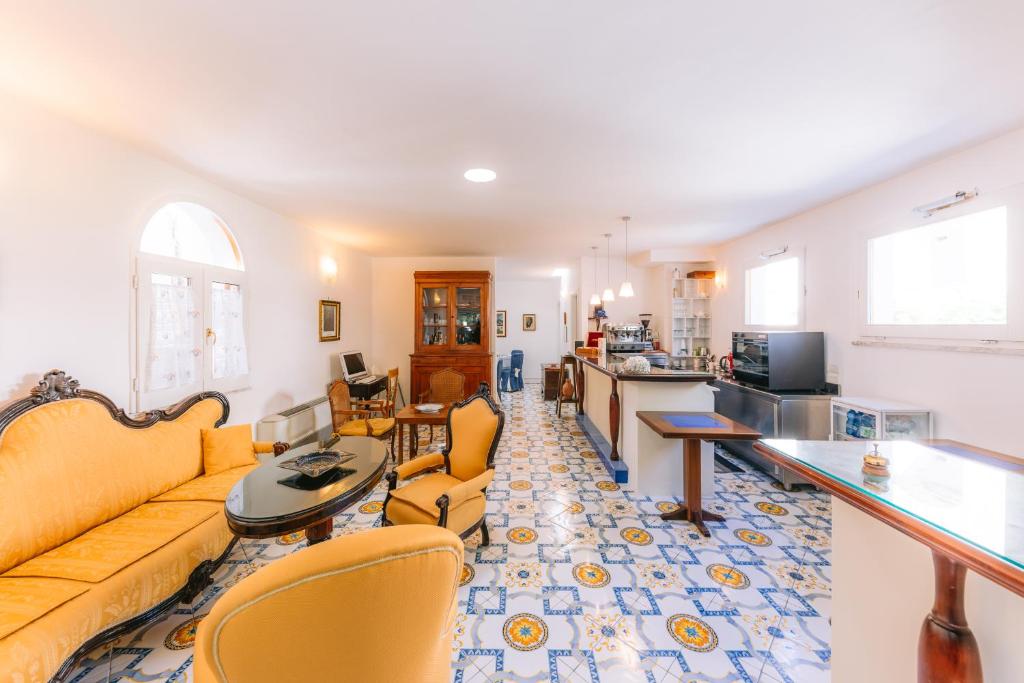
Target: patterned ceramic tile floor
(583,582)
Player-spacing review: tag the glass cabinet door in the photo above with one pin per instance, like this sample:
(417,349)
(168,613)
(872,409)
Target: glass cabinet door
(434,309)
(468,316)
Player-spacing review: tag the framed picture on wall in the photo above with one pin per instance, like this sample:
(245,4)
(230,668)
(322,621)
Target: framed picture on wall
(500,330)
(529,322)
(330,320)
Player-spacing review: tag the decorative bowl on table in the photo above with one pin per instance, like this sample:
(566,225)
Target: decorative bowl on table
(317,463)
(429,407)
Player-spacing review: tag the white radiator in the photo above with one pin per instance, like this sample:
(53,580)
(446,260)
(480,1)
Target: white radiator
(305,423)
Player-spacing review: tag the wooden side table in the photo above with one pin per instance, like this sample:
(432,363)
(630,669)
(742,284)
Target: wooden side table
(550,372)
(693,428)
(408,415)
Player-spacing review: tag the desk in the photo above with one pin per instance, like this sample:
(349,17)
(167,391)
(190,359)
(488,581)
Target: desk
(693,428)
(369,390)
(408,415)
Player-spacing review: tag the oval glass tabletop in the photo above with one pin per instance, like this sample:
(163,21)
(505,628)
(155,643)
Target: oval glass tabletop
(259,497)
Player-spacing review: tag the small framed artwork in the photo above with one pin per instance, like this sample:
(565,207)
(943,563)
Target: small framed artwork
(330,320)
(529,322)
(500,329)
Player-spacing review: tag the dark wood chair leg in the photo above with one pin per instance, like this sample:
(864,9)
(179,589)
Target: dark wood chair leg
(486,537)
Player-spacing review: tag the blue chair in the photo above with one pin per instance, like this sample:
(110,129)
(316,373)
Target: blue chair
(516,380)
(504,374)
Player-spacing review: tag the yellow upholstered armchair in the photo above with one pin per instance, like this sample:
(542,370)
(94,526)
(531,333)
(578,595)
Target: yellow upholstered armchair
(355,418)
(338,611)
(455,498)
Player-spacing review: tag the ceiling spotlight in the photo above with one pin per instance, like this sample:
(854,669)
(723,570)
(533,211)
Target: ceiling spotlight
(480,175)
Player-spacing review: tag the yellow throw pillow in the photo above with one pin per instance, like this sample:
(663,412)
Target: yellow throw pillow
(226,448)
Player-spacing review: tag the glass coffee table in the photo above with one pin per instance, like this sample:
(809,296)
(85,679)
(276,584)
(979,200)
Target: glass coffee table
(258,506)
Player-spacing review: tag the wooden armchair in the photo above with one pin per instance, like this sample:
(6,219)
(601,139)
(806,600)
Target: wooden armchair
(457,497)
(355,418)
(387,406)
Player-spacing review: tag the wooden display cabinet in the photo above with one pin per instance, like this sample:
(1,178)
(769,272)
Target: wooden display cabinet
(452,327)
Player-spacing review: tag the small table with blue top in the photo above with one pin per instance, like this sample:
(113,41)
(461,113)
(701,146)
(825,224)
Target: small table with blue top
(693,428)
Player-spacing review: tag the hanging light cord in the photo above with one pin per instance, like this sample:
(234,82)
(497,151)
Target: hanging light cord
(625,253)
(608,259)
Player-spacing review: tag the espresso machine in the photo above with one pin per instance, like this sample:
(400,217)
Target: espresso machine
(624,338)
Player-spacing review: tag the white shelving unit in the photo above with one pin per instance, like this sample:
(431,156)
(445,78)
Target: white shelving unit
(691,315)
(879,419)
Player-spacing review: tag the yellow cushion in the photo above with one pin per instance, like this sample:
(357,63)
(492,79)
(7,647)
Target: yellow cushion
(226,448)
(68,466)
(396,587)
(33,653)
(109,548)
(473,428)
(413,503)
(216,487)
(378,427)
(22,601)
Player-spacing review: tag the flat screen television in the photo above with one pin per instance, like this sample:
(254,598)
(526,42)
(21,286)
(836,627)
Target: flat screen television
(352,365)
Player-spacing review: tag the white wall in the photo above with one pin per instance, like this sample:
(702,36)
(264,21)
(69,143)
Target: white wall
(540,297)
(73,204)
(975,396)
(621,311)
(392,295)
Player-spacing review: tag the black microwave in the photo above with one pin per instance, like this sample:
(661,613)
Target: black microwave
(780,361)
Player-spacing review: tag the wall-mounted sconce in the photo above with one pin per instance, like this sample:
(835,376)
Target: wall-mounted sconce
(772,253)
(927,210)
(721,278)
(328,269)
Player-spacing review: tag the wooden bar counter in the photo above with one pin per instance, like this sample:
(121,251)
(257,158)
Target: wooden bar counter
(637,458)
(966,506)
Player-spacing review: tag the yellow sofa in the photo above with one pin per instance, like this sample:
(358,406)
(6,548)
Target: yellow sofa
(106,522)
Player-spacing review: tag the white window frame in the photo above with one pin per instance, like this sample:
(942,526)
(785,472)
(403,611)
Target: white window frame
(1012,331)
(790,252)
(142,264)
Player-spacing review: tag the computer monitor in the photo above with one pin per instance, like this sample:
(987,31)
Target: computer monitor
(352,365)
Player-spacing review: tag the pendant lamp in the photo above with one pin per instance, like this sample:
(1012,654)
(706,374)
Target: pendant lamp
(626,290)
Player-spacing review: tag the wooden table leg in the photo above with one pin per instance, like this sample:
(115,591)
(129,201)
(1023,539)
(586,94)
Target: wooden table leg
(320,532)
(692,510)
(401,437)
(613,420)
(414,440)
(947,649)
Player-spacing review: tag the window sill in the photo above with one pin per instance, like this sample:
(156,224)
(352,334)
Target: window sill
(997,349)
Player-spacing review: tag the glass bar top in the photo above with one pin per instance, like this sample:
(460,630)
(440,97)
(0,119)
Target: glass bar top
(977,502)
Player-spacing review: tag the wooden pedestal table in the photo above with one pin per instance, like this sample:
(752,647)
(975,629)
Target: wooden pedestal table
(933,497)
(693,428)
(412,418)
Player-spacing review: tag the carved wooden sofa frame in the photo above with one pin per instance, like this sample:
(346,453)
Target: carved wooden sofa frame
(56,385)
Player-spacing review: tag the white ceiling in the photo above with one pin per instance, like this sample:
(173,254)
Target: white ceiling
(702,120)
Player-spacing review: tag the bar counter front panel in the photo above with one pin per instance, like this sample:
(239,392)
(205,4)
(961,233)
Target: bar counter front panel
(647,464)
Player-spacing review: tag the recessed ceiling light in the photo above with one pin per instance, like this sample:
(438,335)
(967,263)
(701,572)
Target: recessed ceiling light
(480,175)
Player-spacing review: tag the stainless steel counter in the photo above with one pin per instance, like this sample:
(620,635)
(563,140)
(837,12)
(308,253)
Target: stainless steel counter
(779,415)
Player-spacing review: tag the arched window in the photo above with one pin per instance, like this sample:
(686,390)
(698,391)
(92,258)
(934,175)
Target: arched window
(190,307)
(191,232)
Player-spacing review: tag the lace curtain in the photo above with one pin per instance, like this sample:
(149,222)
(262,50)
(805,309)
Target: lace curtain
(230,358)
(172,359)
